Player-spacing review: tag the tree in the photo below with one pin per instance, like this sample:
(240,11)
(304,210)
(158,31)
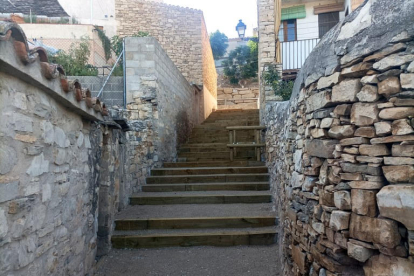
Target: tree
(242,63)
(219,44)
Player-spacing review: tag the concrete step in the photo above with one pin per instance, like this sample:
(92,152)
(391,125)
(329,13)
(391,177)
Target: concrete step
(257,186)
(225,155)
(210,197)
(194,223)
(206,171)
(217,178)
(195,237)
(201,164)
(196,210)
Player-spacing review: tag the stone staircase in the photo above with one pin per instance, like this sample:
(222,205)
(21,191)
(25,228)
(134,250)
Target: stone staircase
(204,199)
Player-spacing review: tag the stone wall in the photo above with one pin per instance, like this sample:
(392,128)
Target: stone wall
(53,211)
(340,153)
(267,45)
(235,98)
(162,106)
(179,30)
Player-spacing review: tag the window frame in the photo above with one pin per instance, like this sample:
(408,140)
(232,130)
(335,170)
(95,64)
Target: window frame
(322,26)
(284,27)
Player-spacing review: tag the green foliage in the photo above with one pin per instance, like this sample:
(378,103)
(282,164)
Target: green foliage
(280,87)
(218,42)
(75,61)
(106,43)
(242,63)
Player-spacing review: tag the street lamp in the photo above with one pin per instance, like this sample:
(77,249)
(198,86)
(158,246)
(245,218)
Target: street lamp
(241,29)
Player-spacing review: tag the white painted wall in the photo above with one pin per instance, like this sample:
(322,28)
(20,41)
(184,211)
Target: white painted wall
(95,12)
(308,28)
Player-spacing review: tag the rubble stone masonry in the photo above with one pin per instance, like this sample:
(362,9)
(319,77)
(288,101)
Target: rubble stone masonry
(341,152)
(56,207)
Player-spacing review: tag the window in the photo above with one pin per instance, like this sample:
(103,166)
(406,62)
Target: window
(288,30)
(327,21)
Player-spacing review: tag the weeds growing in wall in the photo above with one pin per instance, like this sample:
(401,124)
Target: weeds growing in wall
(280,87)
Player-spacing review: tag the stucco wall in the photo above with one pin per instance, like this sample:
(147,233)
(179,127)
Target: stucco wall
(340,151)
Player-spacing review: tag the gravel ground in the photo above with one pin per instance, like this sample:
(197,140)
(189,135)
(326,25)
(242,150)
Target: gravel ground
(191,261)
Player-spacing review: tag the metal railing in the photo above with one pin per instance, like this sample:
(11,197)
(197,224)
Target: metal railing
(294,53)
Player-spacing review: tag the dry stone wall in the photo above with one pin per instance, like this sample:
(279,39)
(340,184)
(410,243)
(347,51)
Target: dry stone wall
(340,153)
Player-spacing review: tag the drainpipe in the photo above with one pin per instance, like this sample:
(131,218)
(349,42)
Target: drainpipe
(124,69)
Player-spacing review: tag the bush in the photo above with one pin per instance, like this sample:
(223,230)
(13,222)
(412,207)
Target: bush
(280,87)
(242,63)
(75,62)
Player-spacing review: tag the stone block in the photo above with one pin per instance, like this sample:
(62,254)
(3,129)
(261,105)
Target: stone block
(38,166)
(342,200)
(342,110)
(346,91)
(392,61)
(370,79)
(339,220)
(8,158)
(3,224)
(366,185)
(321,148)
(399,174)
(389,86)
(397,202)
(387,265)
(401,127)
(299,258)
(382,128)
(403,150)
(407,81)
(357,70)
(318,227)
(375,230)
(368,93)
(396,113)
(9,191)
(374,150)
(367,132)
(359,253)
(296,180)
(341,132)
(318,101)
(327,82)
(358,168)
(397,161)
(354,141)
(326,122)
(363,202)
(364,114)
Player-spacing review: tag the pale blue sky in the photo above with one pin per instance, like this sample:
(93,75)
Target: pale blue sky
(224,14)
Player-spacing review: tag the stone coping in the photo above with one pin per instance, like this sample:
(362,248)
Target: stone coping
(33,68)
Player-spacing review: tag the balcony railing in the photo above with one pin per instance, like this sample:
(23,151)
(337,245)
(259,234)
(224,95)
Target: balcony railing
(294,53)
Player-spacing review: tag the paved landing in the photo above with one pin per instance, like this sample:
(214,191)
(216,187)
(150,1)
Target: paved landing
(192,261)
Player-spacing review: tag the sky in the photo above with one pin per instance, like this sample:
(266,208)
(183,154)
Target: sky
(223,15)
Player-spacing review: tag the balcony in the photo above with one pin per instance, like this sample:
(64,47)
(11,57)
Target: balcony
(294,53)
